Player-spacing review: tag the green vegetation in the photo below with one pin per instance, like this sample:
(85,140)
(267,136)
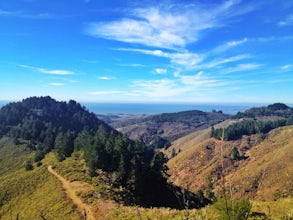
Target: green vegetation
(277,109)
(33,194)
(121,179)
(47,125)
(233,210)
(249,127)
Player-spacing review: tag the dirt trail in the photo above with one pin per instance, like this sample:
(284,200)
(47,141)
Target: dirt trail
(82,207)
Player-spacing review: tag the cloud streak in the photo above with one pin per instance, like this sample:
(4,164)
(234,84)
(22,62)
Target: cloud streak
(56,84)
(288,21)
(21,14)
(47,71)
(106,78)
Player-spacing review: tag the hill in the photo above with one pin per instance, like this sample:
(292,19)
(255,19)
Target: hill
(135,173)
(160,130)
(277,110)
(256,167)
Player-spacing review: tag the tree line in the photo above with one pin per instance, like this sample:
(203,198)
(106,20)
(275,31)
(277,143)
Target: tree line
(248,127)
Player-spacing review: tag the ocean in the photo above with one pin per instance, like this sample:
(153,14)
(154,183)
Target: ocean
(156,108)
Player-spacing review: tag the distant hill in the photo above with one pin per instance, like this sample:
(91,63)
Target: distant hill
(273,110)
(256,120)
(160,130)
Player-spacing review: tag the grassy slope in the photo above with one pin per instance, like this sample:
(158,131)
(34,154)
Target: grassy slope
(266,175)
(29,194)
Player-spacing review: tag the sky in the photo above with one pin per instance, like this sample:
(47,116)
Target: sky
(195,51)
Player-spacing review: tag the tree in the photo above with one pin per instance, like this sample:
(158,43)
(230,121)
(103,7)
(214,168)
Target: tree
(64,145)
(29,165)
(234,154)
(158,164)
(173,153)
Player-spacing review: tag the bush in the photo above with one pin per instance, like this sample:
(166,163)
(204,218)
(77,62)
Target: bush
(28,165)
(233,210)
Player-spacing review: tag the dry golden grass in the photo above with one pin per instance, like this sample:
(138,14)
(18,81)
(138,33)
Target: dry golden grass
(267,173)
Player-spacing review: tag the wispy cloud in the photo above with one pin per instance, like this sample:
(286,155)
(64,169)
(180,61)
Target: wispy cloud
(22,14)
(47,71)
(160,71)
(56,84)
(132,65)
(286,67)
(220,61)
(200,80)
(187,59)
(288,21)
(181,86)
(229,45)
(158,88)
(108,92)
(241,68)
(172,26)
(106,77)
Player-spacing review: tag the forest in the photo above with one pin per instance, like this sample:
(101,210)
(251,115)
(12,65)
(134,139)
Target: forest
(248,127)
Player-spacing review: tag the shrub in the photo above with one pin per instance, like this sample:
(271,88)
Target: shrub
(28,165)
(233,210)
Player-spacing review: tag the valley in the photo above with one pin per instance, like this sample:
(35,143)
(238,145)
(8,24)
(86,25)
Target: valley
(71,177)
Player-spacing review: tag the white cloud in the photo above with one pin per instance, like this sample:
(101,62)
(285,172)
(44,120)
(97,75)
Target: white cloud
(108,92)
(21,14)
(56,84)
(160,71)
(286,67)
(171,26)
(182,86)
(46,71)
(158,88)
(184,59)
(106,77)
(133,65)
(229,45)
(242,67)
(199,80)
(218,62)
(287,22)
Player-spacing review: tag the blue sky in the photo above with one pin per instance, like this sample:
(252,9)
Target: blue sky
(147,51)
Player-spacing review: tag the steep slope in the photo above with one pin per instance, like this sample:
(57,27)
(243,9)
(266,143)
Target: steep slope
(34,194)
(262,169)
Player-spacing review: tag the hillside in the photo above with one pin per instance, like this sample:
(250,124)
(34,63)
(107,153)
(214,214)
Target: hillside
(31,194)
(276,110)
(135,174)
(260,169)
(160,130)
